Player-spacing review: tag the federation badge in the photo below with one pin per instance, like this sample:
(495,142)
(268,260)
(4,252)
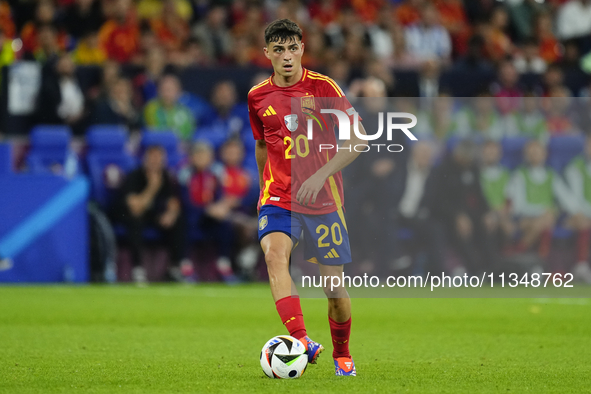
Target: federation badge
(308,104)
(263,223)
(291,121)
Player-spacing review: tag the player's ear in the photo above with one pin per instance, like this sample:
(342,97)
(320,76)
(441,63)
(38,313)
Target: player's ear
(266,51)
(302,46)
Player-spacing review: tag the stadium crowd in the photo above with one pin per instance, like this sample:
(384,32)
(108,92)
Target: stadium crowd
(539,53)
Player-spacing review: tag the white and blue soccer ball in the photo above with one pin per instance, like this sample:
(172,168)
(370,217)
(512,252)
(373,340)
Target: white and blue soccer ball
(284,357)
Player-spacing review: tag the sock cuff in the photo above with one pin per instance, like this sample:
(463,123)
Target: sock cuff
(337,324)
(287,299)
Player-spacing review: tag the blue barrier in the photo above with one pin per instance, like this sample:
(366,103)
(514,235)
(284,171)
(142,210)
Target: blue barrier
(43,231)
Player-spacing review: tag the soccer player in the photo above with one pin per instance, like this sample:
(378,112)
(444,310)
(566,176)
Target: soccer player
(301,185)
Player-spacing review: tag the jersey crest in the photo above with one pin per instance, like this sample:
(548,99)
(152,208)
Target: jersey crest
(308,104)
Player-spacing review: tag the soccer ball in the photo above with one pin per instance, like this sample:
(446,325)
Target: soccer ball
(284,357)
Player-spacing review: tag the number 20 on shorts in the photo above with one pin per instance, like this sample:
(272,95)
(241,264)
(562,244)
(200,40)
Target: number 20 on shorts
(335,231)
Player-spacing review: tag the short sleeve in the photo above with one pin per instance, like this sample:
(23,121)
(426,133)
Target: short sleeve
(255,122)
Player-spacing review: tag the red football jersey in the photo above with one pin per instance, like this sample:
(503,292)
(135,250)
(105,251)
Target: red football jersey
(292,157)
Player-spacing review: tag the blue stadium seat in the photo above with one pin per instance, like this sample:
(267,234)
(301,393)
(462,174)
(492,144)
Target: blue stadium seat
(513,151)
(50,147)
(168,140)
(107,161)
(562,149)
(106,137)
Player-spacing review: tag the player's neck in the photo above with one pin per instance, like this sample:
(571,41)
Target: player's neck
(284,82)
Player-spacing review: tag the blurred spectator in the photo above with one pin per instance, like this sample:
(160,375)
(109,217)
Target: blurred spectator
(235,180)
(498,43)
(549,46)
(60,99)
(571,58)
(458,202)
(149,199)
(88,51)
(170,28)
(429,79)
(437,119)
(528,59)
(534,190)
(45,15)
(480,119)
(381,36)
(578,176)
(120,34)
(559,114)
(415,184)
(474,59)
(367,9)
(228,118)
(83,17)
(553,78)
(6,20)
(194,55)
(147,42)
(149,9)
(111,72)
(523,14)
(315,49)
(494,179)
(507,90)
(479,10)
(166,113)
(211,207)
(117,107)
(454,19)
(250,26)
(214,35)
(47,45)
(7,55)
(574,19)
(242,51)
(146,83)
(409,12)
(325,12)
(582,115)
(530,121)
(428,39)
(377,69)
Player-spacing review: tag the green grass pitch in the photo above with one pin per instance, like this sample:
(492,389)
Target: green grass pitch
(207,338)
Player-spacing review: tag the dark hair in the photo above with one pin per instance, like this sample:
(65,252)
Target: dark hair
(281,31)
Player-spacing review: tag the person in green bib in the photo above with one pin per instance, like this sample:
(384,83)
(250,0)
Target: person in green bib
(166,113)
(537,193)
(578,176)
(494,179)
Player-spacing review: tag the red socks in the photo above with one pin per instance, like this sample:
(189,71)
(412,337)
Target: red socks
(583,245)
(340,333)
(290,311)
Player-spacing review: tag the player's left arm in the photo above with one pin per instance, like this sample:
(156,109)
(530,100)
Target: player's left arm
(345,156)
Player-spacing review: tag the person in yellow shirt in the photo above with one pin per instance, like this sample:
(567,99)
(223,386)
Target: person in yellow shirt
(7,56)
(88,51)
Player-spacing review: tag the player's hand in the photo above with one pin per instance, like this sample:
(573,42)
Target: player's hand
(168,218)
(464,225)
(310,189)
(154,181)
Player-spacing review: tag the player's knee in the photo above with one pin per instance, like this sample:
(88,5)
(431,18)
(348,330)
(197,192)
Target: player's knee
(276,260)
(333,293)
